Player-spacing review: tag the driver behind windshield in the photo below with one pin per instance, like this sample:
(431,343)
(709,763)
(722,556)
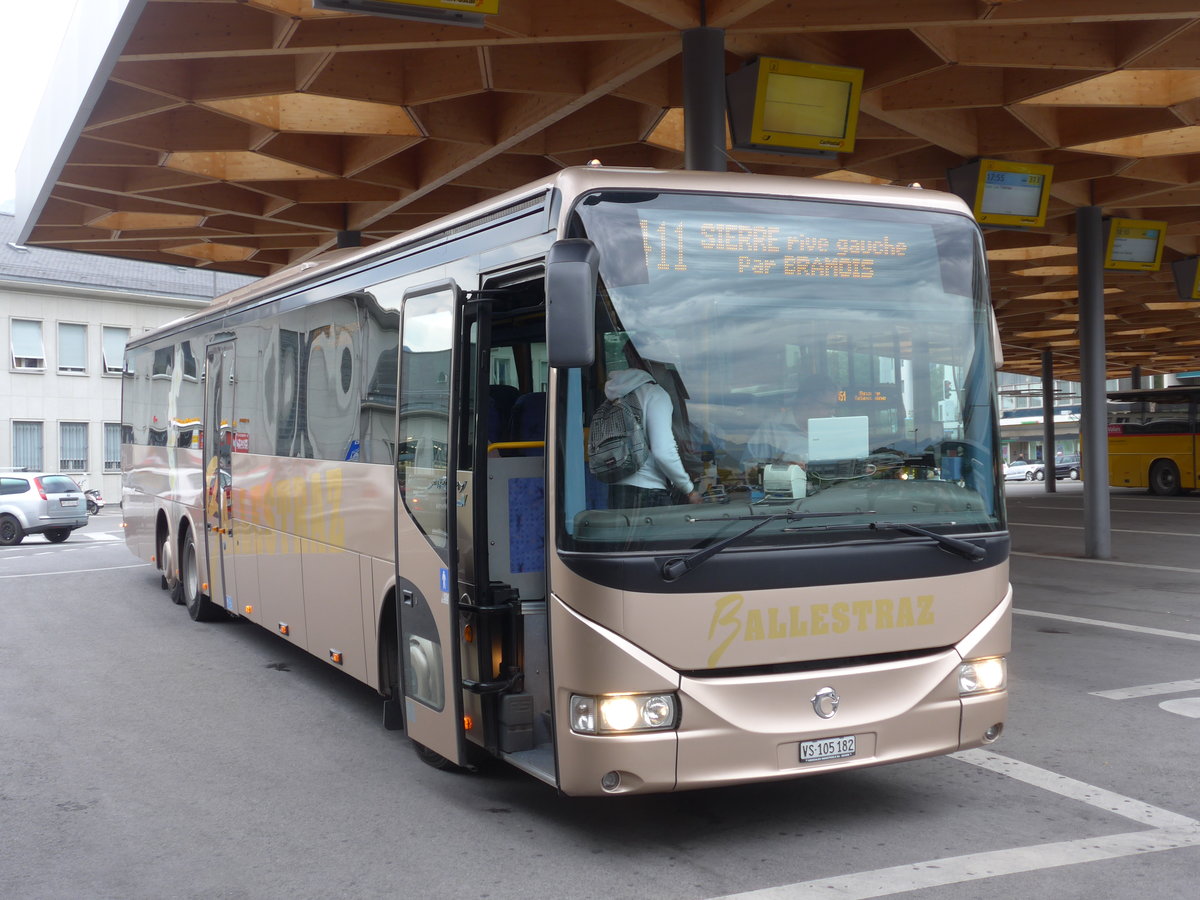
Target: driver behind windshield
(783,438)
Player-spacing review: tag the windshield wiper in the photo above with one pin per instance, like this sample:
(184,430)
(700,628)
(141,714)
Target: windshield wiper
(676,567)
(954,545)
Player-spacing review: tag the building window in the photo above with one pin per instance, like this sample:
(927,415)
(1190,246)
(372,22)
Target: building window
(28,351)
(112,447)
(72,347)
(72,446)
(114,340)
(27,445)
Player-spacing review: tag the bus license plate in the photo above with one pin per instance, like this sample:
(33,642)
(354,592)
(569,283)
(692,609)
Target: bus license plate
(827,748)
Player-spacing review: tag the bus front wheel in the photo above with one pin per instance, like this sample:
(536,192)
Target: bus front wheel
(1164,479)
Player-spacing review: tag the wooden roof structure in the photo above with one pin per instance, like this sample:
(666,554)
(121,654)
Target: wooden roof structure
(244,135)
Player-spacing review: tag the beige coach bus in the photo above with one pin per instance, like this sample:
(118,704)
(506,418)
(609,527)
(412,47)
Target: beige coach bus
(381,457)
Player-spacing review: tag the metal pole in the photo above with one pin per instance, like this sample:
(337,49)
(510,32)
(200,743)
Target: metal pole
(1097,527)
(1048,421)
(704,99)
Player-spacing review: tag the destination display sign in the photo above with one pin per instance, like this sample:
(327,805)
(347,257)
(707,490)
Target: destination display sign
(836,250)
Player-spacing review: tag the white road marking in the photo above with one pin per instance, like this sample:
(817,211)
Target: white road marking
(78,571)
(1113,530)
(1149,690)
(1169,831)
(1120,626)
(1188,706)
(1149,512)
(1103,562)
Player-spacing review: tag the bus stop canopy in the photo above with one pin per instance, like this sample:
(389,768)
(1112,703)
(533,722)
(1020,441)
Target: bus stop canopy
(246,135)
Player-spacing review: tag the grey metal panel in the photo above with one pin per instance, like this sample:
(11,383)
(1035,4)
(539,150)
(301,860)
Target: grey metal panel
(89,51)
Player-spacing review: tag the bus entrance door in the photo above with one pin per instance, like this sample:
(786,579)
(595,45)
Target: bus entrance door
(427,575)
(219,437)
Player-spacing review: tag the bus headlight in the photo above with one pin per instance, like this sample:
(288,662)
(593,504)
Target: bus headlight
(622,713)
(978,676)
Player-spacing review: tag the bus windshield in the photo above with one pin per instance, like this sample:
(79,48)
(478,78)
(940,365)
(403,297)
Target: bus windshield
(820,357)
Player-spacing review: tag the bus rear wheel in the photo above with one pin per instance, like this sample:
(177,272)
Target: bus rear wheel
(170,577)
(435,759)
(199,607)
(1164,479)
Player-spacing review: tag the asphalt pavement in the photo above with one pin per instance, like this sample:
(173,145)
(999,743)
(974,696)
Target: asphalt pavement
(143,755)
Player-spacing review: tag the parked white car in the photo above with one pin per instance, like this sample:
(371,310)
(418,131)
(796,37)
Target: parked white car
(1024,471)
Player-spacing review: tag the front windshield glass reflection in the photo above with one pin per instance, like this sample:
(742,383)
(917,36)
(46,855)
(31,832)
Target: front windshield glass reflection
(823,357)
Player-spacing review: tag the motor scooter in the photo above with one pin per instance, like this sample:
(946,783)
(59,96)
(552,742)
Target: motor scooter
(95,502)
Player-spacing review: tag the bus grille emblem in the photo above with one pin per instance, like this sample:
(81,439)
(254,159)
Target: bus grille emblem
(825,702)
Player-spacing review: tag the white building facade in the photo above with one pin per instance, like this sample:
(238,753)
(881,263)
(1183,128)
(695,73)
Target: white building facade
(64,321)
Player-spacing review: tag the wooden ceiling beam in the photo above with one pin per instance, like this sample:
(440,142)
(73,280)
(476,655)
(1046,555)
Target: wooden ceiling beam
(953,129)
(1085,46)
(727,13)
(322,152)
(89,151)
(168,77)
(676,13)
(558,68)
(466,120)
(182,128)
(502,173)
(859,15)
(361,153)
(339,191)
(174,30)
(121,103)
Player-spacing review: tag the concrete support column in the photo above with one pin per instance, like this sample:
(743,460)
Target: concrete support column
(1048,421)
(704,99)
(1097,527)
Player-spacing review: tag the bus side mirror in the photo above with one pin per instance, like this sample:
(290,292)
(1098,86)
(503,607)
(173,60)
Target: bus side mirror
(997,348)
(572,267)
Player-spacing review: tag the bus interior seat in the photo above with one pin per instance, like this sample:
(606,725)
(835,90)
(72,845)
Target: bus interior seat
(529,421)
(501,398)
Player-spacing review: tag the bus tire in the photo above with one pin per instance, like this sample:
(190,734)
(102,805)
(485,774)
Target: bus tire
(199,607)
(1164,479)
(435,759)
(170,577)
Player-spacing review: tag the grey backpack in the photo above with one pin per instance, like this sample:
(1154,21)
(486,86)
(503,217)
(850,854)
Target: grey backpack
(617,445)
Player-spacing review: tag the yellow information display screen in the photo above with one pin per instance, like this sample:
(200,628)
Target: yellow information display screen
(1134,245)
(1012,193)
(804,105)
(799,104)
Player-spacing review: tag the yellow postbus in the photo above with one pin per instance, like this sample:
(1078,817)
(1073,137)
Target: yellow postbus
(1152,439)
(381,456)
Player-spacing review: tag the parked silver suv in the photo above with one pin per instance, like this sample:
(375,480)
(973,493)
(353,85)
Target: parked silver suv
(38,503)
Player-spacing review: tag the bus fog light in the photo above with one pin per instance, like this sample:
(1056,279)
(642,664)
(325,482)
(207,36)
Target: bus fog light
(622,713)
(977,676)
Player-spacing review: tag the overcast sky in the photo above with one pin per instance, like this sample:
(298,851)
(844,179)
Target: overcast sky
(32,32)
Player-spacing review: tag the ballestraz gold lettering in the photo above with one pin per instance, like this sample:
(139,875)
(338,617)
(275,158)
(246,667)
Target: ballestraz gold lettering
(731,621)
